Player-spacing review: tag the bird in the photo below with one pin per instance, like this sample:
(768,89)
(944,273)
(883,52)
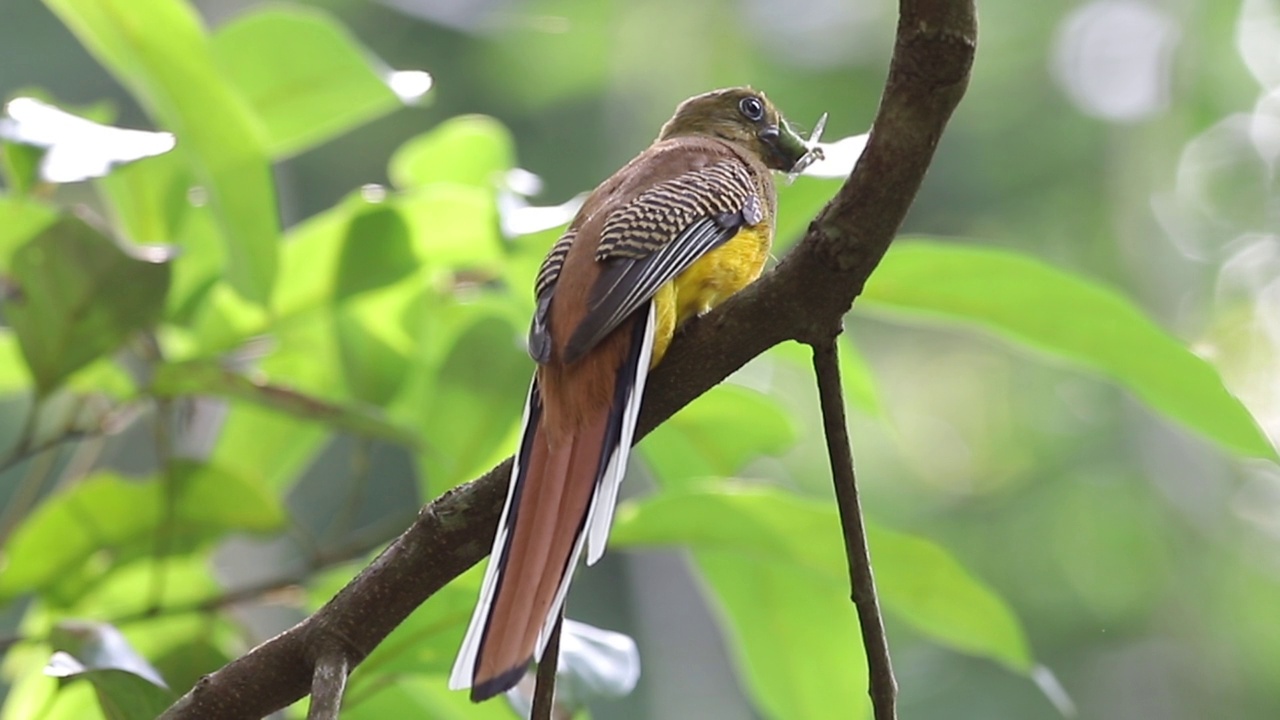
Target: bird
(666,238)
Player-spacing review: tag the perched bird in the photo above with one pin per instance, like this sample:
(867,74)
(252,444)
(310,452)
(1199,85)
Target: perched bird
(683,226)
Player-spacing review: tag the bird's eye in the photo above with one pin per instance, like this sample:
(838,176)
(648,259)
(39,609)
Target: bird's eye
(752,109)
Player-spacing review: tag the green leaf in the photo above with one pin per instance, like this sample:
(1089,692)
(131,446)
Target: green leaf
(14,376)
(21,165)
(304,75)
(108,511)
(717,434)
(796,640)
(474,402)
(159,51)
(798,204)
(1035,305)
(23,218)
(917,580)
(122,695)
(77,296)
(856,378)
(453,226)
(148,198)
(424,696)
(205,377)
(470,150)
(377,251)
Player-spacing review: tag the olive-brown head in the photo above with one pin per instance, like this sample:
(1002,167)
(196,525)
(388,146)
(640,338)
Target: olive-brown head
(742,116)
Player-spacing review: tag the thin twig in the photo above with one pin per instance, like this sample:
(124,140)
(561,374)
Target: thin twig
(327,686)
(544,692)
(883,688)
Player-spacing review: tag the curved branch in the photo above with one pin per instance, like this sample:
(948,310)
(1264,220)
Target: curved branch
(804,298)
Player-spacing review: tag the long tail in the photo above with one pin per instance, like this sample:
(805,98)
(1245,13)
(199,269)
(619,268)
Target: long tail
(559,498)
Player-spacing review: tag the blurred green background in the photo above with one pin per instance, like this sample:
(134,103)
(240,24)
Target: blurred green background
(1066,503)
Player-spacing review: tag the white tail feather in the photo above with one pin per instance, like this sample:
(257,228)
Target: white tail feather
(463,674)
(599,520)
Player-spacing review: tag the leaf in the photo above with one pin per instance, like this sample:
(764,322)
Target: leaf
(122,695)
(796,640)
(917,580)
(1030,303)
(108,511)
(148,198)
(23,218)
(453,226)
(159,51)
(77,296)
(471,150)
(205,377)
(377,251)
(14,377)
(307,79)
(717,434)
(857,380)
(98,645)
(474,402)
(798,204)
(424,696)
(76,149)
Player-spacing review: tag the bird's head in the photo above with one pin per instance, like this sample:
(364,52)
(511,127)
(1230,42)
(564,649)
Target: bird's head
(742,116)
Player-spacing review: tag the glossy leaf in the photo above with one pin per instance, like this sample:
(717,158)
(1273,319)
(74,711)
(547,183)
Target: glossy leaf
(170,68)
(470,150)
(1030,303)
(454,226)
(306,78)
(122,695)
(57,537)
(77,295)
(917,580)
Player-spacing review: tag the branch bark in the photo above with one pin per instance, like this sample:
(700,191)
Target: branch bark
(801,299)
(862,585)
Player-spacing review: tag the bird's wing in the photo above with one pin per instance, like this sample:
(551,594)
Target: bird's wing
(646,243)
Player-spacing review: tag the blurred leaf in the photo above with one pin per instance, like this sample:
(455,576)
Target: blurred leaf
(14,376)
(205,377)
(159,51)
(304,75)
(77,296)
(108,511)
(75,149)
(917,580)
(265,446)
(98,645)
(23,218)
(796,641)
(122,695)
(21,166)
(798,204)
(716,435)
(454,226)
(1026,301)
(425,696)
(148,198)
(469,150)
(474,402)
(856,377)
(376,251)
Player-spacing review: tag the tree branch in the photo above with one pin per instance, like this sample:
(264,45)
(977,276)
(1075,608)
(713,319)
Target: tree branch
(801,299)
(544,690)
(884,689)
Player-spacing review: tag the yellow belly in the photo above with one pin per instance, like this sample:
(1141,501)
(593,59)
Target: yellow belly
(709,282)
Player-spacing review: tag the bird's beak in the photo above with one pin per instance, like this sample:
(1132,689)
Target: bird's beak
(786,148)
